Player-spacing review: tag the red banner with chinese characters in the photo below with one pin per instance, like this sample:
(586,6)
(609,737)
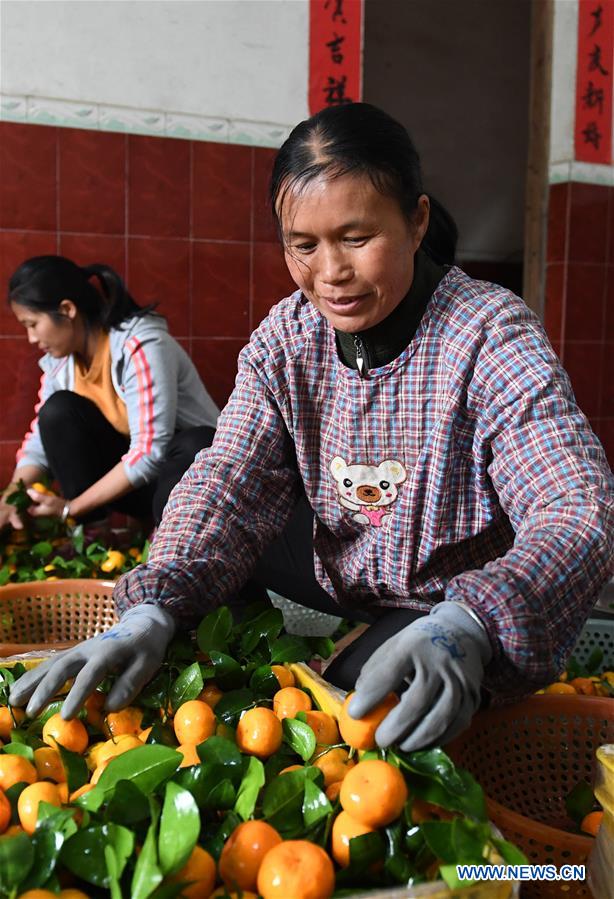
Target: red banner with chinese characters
(335,52)
(593,134)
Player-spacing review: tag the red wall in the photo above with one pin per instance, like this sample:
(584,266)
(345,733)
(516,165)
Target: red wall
(185,222)
(579,302)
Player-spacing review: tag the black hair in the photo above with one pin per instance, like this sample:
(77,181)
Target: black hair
(360,139)
(42,282)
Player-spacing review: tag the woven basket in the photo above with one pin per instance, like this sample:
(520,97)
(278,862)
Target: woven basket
(528,757)
(44,615)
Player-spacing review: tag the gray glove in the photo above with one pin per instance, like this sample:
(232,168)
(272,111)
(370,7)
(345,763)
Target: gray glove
(443,656)
(134,648)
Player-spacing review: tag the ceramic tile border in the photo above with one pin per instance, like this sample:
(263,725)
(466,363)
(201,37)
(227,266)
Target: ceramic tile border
(65,113)
(585,172)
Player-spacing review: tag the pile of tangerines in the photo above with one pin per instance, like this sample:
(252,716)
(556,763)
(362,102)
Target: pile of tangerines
(314,803)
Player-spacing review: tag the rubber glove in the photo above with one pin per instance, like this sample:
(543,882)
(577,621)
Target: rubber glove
(443,656)
(134,648)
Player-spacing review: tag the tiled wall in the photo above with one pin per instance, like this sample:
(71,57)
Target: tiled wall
(579,302)
(185,222)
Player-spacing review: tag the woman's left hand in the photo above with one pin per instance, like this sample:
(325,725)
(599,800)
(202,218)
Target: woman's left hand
(45,504)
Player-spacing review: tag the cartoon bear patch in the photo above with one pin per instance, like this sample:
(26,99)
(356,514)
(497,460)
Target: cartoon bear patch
(368,490)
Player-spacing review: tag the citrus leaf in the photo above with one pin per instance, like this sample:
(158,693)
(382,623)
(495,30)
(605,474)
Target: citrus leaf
(290,648)
(300,737)
(263,682)
(249,789)
(227,672)
(147,767)
(214,630)
(127,805)
(282,803)
(179,828)
(232,704)
(579,801)
(75,767)
(315,804)
(187,686)
(16,860)
(147,874)
(267,625)
(84,853)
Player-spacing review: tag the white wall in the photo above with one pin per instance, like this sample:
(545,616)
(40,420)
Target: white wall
(232,59)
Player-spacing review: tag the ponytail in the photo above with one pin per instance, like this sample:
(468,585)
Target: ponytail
(441,236)
(42,282)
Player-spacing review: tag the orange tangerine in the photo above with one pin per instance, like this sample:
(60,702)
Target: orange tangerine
(94,709)
(30,799)
(15,769)
(583,685)
(92,754)
(591,823)
(200,869)
(194,721)
(559,688)
(288,701)
(360,732)
(96,774)
(125,721)
(291,768)
(48,764)
(259,732)
(37,894)
(296,869)
(284,676)
(224,893)
(332,790)
(211,694)
(71,734)
(143,734)
(189,753)
(374,793)
(243,852)
(324,727)
(7,720)
(115,747)
(5,812)
(334,764)
(81,791)
(345,828)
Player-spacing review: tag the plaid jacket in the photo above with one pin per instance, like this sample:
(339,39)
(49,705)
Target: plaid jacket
(463,470)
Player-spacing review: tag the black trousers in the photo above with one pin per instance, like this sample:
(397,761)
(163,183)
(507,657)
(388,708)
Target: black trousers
(81,446)
(287,568)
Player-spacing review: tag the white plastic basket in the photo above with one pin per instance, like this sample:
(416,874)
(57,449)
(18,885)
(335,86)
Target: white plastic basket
(596,632)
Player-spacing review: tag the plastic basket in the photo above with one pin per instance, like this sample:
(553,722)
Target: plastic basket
(596,633)
(43,615)
(528,757)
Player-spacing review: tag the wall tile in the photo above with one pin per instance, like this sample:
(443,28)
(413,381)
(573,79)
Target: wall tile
(558,218)
(584,306)
(554,302)
(92,181)
(264,226)
(15,248)
(271,280)
(158,186)
(159,271)
(221,191)
(85,249)
(583,363)
(588,222)
(216,361)
(20,377)
(8,451)
(28,189)
(220,289)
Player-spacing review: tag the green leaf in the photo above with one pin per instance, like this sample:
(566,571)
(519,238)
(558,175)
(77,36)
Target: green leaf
(233,703)
(436,764)
(365,850)
(510,854)
(163,734)
(322,646)
(208,784)
(77,773)
(16,860)
(219,751)
(22,749)
(594,660)
(147,767)
(579,801)
(42,549)
(112,863)
(249,789)
(52,709)
(187,686)
(300,737)
(128,805)
(471,802)
(456,842)
(263,682)
(267,625)
(214,630)
(46,842)
(147,874)
(179,828)
(84,853)
(316,805)
(214,843)
(228,673)
(78,538)
(290,648)
(282,803)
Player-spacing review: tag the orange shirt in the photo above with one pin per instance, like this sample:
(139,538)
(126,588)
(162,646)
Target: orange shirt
(96,384)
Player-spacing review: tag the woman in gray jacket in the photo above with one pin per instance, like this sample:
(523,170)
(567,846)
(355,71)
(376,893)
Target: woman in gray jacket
(121,411)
